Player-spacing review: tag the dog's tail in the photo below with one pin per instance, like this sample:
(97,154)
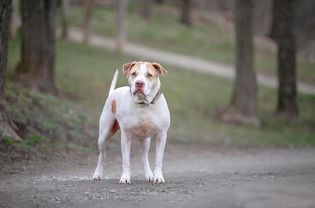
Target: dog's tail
(114,81)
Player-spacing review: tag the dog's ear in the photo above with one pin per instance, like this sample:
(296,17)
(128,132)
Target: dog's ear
(159,69)
(127,67)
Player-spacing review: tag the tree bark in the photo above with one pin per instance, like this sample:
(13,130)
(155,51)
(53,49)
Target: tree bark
(121,35)
(262,17)
(5,10)
(88,6)
(64,18)
(36,69)
(146,9)
(159,1)
(243,106)
(186,12)
(15,18)
(287,90)
(276,5)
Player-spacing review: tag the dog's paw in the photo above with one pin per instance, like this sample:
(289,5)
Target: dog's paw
(97,176)
(158,177)
(125,179)
(149,175)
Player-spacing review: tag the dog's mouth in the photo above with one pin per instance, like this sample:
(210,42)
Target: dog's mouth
(138,92)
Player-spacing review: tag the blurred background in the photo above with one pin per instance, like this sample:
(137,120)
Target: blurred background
(241,73)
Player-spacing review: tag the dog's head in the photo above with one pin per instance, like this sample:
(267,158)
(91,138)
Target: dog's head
(143,79)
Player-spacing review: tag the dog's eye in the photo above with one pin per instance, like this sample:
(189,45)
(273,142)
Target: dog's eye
(134,74)
(149,75)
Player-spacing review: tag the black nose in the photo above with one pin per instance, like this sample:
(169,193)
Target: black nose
(139,84)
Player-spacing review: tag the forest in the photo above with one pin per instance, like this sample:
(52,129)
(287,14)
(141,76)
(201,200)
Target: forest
(241,82)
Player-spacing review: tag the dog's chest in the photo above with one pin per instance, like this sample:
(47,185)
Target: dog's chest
(141,123)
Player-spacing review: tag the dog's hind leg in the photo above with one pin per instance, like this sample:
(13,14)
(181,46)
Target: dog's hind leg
(107,128)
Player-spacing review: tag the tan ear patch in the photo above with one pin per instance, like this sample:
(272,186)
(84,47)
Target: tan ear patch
(160,69)
(114,106)
(127,67)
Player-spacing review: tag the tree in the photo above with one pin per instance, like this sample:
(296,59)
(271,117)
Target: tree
(36,68)
(5,9)
(146,9)
(243,106)
(64,13)
(287,92)
(88,6)
(15,22)
(121,24)
(275,19)
(186,12)
(159,1)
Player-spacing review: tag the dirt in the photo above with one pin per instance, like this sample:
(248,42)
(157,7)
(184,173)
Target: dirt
(196,176)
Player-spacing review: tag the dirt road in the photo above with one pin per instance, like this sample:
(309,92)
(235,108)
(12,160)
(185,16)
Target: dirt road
(196,176)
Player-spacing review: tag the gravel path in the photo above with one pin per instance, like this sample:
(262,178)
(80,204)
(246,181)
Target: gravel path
(196,176)
(182,61)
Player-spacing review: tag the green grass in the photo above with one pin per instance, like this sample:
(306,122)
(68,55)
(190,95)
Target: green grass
(43,121)
(207,39)
(193,98)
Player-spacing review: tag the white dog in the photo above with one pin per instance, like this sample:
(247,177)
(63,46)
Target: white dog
(139,111)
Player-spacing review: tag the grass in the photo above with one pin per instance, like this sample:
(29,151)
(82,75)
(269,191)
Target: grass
(43,121)
(208,39)
(193,99)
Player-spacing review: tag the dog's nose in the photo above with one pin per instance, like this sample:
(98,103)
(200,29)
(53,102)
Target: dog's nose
(139,84)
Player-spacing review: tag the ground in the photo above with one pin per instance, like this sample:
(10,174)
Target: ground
(196,176)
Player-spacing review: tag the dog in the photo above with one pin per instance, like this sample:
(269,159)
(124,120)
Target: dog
(141,112)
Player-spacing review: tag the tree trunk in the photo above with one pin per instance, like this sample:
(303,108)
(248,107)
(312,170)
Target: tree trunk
(243,107)
(64,18)
(159,1)
(36,69)
(5,9)
(88,6)
(287,92)
(146,9)
(186,12)
(15,18)
(121,24)
(276,5)
(262,17)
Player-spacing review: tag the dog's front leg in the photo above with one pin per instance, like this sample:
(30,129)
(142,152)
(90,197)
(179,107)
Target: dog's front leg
(125,150)
(145,159)
(159,151)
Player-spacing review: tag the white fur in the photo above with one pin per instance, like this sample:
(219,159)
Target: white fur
(132,118)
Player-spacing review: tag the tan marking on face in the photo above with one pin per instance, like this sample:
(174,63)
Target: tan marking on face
(131,67)
(160,69)
(135,68)
(152,71)
(114,106)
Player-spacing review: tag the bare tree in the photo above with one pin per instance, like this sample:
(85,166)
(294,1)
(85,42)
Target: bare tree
(146,9)
(88,6)
(243,106)
(15,22)
(287,92)
(276,5)
(64,13)
(5,9)
(36,68)
(159,1)
(121,35)
(186,12)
